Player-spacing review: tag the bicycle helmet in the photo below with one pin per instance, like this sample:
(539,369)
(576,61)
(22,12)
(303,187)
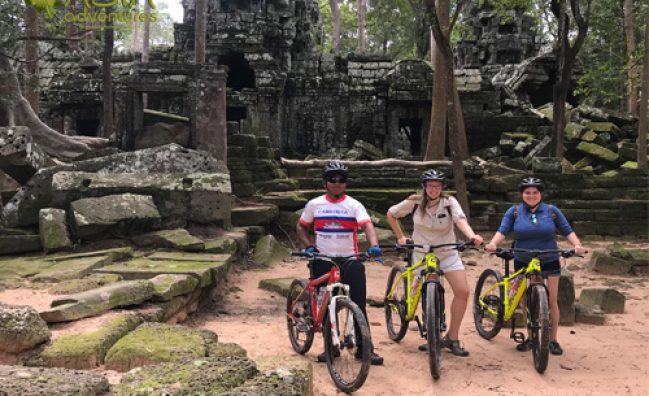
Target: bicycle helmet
(432,174)
(334,168)
(531,182)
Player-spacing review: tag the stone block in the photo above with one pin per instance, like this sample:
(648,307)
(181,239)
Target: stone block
(12,244)
(179,239)
(609,300)
(589,314)
(168,286)
(53,229)
(21,329)
(21,380)
(598,152)
(608,265)
(254,215)
(573,131)
(122,214)
(566,298)
(277,285)
(72,268)
(269,251)
(20,157)
(546,165)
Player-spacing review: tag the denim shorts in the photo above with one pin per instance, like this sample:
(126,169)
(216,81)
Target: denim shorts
(553,268)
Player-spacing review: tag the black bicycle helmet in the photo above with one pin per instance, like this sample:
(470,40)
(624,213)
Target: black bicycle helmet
(531,182)
(432,174)
(334,168)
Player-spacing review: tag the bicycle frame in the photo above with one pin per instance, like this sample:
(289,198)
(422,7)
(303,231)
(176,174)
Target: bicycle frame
(430,261)
(332,279)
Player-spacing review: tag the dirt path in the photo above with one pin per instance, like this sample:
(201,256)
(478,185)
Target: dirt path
(610,359)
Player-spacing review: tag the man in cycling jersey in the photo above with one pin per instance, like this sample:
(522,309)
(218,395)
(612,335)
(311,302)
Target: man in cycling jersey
(336,218)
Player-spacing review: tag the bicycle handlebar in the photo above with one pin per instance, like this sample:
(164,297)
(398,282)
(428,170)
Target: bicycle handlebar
(362,256)
(508,253)
(461,246)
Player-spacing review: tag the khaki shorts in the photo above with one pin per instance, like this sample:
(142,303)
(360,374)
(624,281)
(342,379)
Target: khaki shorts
(448,264)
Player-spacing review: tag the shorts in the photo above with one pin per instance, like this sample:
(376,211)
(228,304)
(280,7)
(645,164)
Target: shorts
(553,268)
(448,263)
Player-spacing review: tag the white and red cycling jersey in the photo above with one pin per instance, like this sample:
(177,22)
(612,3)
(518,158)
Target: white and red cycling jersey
(335,224)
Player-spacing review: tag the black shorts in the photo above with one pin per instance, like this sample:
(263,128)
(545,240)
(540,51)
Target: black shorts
(553,268)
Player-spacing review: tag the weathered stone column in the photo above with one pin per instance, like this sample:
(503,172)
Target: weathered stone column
(210,129)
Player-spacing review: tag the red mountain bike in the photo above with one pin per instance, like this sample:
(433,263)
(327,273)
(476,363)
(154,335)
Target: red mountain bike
(346,334)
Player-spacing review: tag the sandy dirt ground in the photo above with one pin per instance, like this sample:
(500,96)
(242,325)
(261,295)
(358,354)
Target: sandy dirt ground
(597,360)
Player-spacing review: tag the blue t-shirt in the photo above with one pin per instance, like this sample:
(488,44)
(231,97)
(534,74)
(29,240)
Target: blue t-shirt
(528,235)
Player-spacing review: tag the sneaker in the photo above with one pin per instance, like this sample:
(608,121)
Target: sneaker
(375,359)
(454,347)
(322,358)
(555,348)
(423,347)
(524,346)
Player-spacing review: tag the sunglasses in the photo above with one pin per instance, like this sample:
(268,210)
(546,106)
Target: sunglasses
(534,218)
(337,180)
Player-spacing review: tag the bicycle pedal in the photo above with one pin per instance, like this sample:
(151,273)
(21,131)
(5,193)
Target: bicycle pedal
(518,337)
(303,327)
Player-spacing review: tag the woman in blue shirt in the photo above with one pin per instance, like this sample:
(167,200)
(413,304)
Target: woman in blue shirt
(535,224)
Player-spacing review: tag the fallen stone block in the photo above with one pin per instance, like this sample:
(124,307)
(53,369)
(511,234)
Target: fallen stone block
(226,349)
(254,215)
(609,300)
(278,375)
(20,157)
(608,265)
(87,350)
(279,285)
(96,301)
(566,298)
(269,251)
(168,286)
(21,328)
(116,254)
(589,314)
(12,244)
(90,282)
(598,152)
(154,343)
(72,268)
(178,239)
(197,376)
(119,215)
(32,381)
(53,229)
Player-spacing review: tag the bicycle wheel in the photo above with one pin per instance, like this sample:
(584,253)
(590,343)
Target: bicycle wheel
(432,320)
(540,327)
(348,363)
(395,305)
(488,318)
(299,318)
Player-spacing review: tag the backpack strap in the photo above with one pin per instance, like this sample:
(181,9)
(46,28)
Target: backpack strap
(448,210)
(553,214)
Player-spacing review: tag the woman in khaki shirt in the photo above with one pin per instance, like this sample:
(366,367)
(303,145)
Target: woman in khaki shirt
(433,217)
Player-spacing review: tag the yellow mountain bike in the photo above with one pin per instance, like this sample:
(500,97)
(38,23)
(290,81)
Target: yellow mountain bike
(494,302)
(410,284)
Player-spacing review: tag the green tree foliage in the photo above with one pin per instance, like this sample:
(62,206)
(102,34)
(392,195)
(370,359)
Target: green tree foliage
(162,30)
(348,26)
(603,57)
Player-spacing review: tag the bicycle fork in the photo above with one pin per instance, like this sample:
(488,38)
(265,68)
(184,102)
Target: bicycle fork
(333,319)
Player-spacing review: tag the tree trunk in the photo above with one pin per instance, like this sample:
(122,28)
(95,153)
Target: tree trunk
(71,29)
(436,144)
(52,142)
(107,82)
(31,57)
(361,26)
(453,107)
(644,102)
(631,92)
(146,34)
(565,61)
(335,17)
(200,32)
(135,29)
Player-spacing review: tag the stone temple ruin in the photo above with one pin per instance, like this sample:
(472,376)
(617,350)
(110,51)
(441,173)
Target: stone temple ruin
(179,208)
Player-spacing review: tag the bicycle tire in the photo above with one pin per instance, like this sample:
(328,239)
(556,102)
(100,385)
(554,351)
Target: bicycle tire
(359,354)
(432,314)
(495,300)
(396,328)
(540,323)
(303,314)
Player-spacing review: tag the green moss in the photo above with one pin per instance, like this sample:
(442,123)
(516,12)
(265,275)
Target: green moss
(93,345)
(22,267)
(84,284)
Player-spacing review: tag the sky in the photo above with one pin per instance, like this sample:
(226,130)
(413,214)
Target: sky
(174,7)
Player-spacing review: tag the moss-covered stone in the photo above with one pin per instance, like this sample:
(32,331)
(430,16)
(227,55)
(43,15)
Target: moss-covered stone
(168,286)
(90,282)
(207,272)
(605,264)
(277,285)
(178,239)
(87,350)
(254,215)
(15,380)
(603,127)
(22,267)
(278,376)
(72,269)
(589,314)
(629,165)
(12,244)
(226,349)
(221,245)
(573,131)
(154,343)
(53,229)
(205,376)
(21,328)
(115,254)
(609,300)
(597,151)
(288,200)
(269,251)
